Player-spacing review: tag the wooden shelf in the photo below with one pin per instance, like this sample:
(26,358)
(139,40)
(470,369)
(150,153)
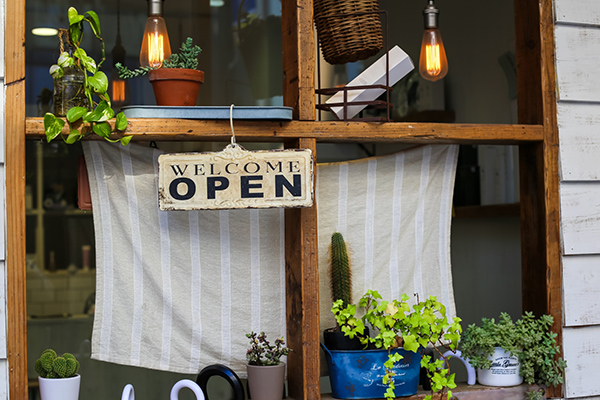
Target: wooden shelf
(322,131)
(475,392)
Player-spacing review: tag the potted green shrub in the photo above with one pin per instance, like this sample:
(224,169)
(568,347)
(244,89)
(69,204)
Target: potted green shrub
(266,371)
(58,376)
(402,333)
(528,340)
(177,82)
(86,116)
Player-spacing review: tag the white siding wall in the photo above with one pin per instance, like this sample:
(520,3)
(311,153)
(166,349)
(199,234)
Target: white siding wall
(577,37)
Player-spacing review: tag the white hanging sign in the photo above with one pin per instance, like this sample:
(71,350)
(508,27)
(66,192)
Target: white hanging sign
(235,178)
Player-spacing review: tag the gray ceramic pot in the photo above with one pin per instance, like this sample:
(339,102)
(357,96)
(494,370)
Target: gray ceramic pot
(266,382)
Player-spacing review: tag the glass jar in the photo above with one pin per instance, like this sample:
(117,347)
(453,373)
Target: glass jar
(69,90)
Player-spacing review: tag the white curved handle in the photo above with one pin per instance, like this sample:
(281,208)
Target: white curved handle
(468,366)
(128,392)
(188,384)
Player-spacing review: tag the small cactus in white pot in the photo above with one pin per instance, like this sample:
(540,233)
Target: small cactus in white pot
(58,376)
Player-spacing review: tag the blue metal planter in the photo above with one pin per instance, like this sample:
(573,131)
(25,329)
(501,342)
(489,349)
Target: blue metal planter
(357,374)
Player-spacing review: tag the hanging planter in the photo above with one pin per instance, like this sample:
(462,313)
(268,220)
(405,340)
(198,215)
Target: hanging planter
(346,35)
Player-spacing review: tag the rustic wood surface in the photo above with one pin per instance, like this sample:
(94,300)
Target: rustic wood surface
(16,315)
(326,131)
(298,58)
(550,193)
(475,392)
(302,294)
(538,163)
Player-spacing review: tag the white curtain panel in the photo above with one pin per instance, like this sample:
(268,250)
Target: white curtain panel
(178,290)
(394,212)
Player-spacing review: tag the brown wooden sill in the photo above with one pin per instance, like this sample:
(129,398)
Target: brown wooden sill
(475,392)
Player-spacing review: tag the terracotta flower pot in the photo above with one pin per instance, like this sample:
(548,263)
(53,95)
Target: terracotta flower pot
(266,382)
(176,86)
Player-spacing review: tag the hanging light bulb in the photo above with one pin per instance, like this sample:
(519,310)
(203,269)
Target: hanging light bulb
(433,64)
(119,88)
(155,45)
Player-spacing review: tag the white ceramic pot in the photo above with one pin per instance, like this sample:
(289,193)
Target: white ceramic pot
(60,389)
(504,370)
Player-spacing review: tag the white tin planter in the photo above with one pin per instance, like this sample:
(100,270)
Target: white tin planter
(504,370)
(60,389)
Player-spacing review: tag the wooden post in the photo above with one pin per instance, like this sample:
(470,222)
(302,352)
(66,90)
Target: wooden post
(302,295)
(298,58)
(16,318)
(538,163)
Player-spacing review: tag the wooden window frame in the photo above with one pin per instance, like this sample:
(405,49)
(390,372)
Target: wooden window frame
(536,135)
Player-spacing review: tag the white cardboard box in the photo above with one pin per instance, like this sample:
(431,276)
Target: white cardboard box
(400,65)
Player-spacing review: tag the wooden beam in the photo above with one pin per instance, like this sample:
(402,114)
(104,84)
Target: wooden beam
(298,58)
(16,313)
(325,131)
(540,202)
(302,292)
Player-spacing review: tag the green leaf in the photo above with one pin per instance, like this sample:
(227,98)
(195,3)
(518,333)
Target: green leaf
(88,62)
(121,123)
(74,136)
(74,17)
(52,126)
(75,113)
(99,82)
(94,22)
(102,129)
(125,140)
(102,113)
(75,34)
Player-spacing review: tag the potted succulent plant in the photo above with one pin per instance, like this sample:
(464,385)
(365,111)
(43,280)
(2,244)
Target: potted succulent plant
(266,371)
(341,289)
(58,376)
(401,334)
(78,81)
(177,82)
(528,343)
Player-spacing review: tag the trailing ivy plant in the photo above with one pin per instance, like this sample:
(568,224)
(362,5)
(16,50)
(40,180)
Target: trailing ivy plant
(530,339)
(187,58)
(396,325)
(93,118)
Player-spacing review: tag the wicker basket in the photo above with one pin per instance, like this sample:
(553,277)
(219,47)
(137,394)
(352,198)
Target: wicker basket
(347,38)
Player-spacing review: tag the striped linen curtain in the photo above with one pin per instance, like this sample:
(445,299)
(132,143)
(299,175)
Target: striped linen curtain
(178,290)
(394,212)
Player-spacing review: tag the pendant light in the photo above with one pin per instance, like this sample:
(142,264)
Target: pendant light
(433,64)
(155,44)
(119,88)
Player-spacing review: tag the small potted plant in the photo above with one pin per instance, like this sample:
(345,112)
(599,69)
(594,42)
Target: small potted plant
(58,376)
(177,82)
(85,82)
(497,348)
(401,334)
(266,371)
(341,289)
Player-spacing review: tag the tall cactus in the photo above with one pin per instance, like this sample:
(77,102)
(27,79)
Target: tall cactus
(341,276)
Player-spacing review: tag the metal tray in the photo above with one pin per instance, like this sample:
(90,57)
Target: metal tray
(210,112)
